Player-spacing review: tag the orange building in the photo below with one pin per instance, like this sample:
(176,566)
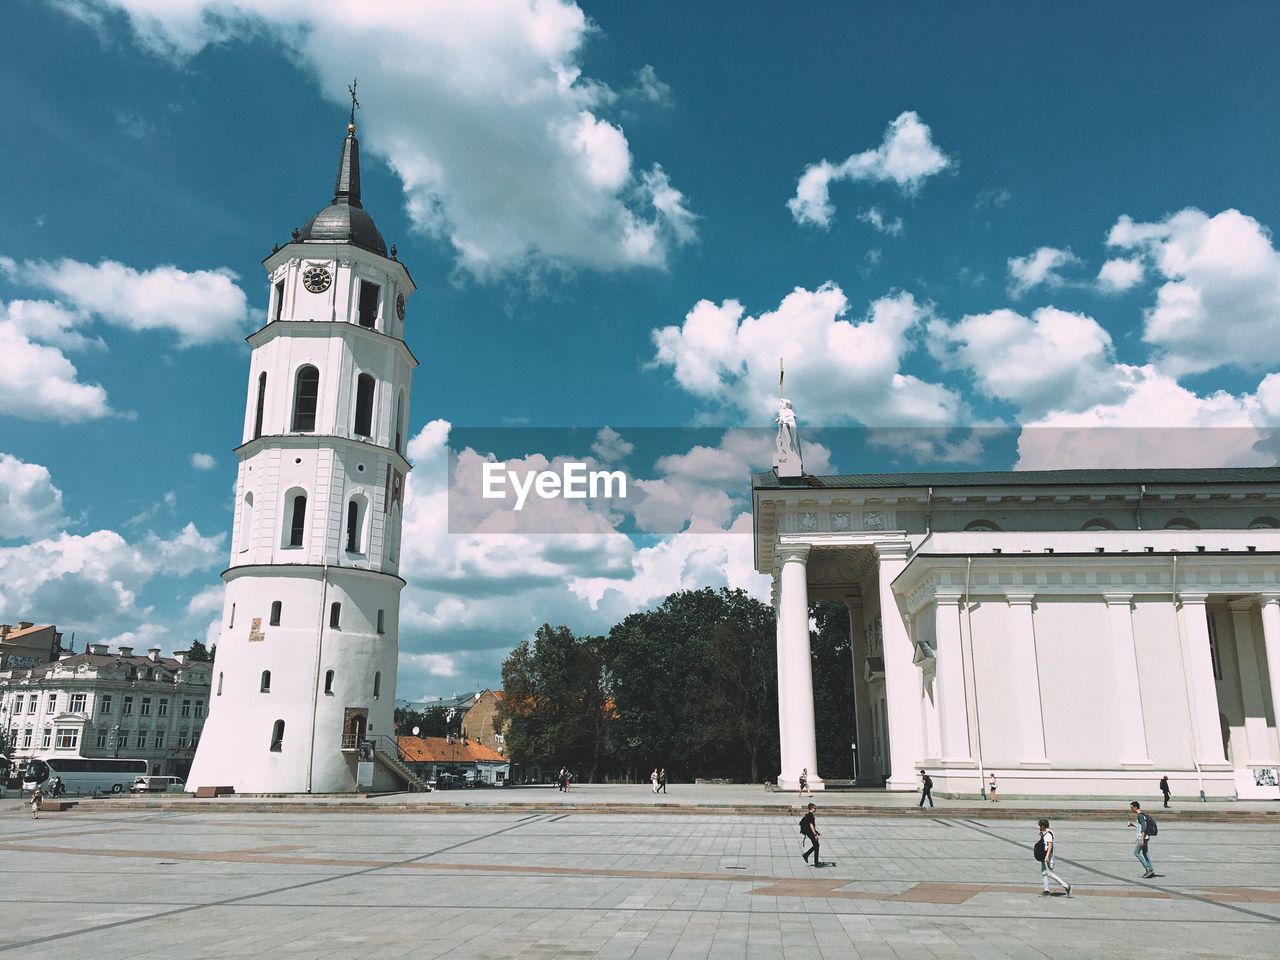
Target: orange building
(481,722)
(467,761)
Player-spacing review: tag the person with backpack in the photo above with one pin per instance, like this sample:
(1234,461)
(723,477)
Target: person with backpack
(1164,788)
(809,834)
(1044,853)
(926,789)
(1145,824)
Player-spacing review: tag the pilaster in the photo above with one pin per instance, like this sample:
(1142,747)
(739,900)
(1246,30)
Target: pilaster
(1200,682)
(1026,678)
(1124,658)
(901,675)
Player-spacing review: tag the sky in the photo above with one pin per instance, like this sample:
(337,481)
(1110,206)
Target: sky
(1046,218)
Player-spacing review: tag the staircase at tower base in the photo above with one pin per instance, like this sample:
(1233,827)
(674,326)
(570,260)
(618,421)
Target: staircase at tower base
(385,751)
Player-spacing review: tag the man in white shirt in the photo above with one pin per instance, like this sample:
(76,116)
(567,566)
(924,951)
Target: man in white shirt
(1139,822)
(1046,865)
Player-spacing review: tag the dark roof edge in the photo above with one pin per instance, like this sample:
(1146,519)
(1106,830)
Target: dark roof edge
(768,480)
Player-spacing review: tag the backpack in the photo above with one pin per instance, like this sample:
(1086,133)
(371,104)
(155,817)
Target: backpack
(1039,850)
(928,782)
(1151,829)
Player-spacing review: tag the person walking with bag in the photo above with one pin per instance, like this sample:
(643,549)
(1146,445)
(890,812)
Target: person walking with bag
(804,782)
(1044,850)
(991,788)
(809,834)
(662,780)
(926,789)
(37,798)
(1145,824)
(1164,789)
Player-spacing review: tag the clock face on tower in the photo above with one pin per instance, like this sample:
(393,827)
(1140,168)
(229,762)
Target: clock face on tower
(400,305)
(317,279)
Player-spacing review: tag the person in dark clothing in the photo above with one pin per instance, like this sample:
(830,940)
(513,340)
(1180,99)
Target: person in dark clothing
(926,789)
(1164,788)
(809,834)
(662,780)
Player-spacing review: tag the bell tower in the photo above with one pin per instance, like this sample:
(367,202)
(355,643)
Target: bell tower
(306,660)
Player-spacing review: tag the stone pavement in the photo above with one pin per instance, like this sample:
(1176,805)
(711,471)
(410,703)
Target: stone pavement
(113,881)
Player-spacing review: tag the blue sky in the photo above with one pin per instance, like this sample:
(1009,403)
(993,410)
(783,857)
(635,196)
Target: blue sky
(1040,214)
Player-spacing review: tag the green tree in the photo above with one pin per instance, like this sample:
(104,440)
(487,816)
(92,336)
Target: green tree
(833,689)
(432,722)
(199,653)
(556,703)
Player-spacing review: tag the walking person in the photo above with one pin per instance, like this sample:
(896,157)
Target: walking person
(37,798)
(804,782)
(1044,851)
(562,780)
(809,834)
(662,779)
(653,779)
(991,787)
(1146,827)
(1164,789)
(926,789)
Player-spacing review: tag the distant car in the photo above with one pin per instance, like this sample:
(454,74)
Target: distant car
(158,785)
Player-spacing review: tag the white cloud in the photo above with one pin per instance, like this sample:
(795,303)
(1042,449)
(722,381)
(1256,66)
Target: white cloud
(38,382)
(1120,274)
(1053,360)
(838,370)
(649,87)
(1220,302)
(434,664)
(610,446)
(30,505)
(480,108)
(875,216)
(1041,267)
(203,461)
(200,306)
(906,157)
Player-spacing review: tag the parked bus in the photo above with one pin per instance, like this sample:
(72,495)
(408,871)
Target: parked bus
(81,775)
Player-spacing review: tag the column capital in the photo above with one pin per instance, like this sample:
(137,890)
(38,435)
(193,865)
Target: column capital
(895,550)
(1118,599)
(948,599)
(1267,599)
(1020,599)
(789,552)
(1195,599)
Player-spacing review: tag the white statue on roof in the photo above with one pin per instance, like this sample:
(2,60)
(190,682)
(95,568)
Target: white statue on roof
(787,461)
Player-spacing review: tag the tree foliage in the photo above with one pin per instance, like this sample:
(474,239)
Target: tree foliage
(199,653)
(432,722)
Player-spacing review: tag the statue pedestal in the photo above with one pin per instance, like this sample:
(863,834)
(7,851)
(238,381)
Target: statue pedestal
(788,467)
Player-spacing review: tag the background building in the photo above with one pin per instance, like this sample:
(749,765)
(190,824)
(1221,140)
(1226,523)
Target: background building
(28,644)
(480,722)
(99,704)
(429,757)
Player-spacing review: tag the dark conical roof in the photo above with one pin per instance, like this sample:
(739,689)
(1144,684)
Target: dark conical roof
(345,220)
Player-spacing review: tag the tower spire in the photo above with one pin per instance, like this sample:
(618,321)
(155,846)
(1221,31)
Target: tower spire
(346,188)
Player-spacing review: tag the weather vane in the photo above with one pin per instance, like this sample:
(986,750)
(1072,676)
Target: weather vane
(351,89)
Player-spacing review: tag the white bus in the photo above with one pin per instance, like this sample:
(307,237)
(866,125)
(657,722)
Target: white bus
(82,775)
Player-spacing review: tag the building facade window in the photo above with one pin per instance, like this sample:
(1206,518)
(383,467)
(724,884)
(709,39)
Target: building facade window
(31,707)
(199,708)
(297,519)
(353,526)
(276,608)
(26,737)
(101,741)
(265,686)
(68,738)
(368,312)
(185,709)
(278,312)
(377,685)
(261,407)
(328,683)
(145,709)
(182,739)
(46,738)
(277,736)
(400,424)
(157,740)
(104,704)
(141,742)
(364,405)
(162,710)
(17,703)
(382,621)
(51,706)
(306,397)
(78,701)
(335,616)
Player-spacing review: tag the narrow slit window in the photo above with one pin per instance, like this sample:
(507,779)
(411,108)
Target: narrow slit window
(262,405)
(328,683)
(353,527)
(400,424)
(277,736)
(377,685)
(382,621)
(335,616)
(364,405)
(306,395)
(279,312)
(246,522)
(368,304)
(219,685)
(298,522)
(265,686)
(276,608)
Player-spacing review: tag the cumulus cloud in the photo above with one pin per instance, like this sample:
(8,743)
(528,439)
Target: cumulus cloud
(610,446)
(838,370)
(501,144)
(1219,303)
(649,87)
(30,505)
(906,157)
(1041,267)
(203,461)
(199,306)
(879,222)
(1120,274)
(39,382)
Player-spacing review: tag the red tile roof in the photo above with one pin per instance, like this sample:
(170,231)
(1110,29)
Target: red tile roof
(440,750)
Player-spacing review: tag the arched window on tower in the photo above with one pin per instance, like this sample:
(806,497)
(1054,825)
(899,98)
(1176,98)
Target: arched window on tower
(355,524)
(335,616)
(328,683)
(382,621)
(219,683)
(276,608)
(297,518)
(279,311)
(306,394)
(277,736)
(400,424)
(368,315)
(262,405)
(246,522)
(377,685)
(265,686)
(364,405)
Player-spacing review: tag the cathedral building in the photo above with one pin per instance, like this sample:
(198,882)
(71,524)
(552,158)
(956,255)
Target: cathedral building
(305,677)
(1075,632)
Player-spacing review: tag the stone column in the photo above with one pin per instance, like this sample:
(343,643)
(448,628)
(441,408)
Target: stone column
(1255,708)
(1199,679)
(1271,643)
(861,692)
(953,709)
(795,671)
(1124,658)
(901,675)
(1026,678)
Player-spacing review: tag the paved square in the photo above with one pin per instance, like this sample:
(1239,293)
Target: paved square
(127,883)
